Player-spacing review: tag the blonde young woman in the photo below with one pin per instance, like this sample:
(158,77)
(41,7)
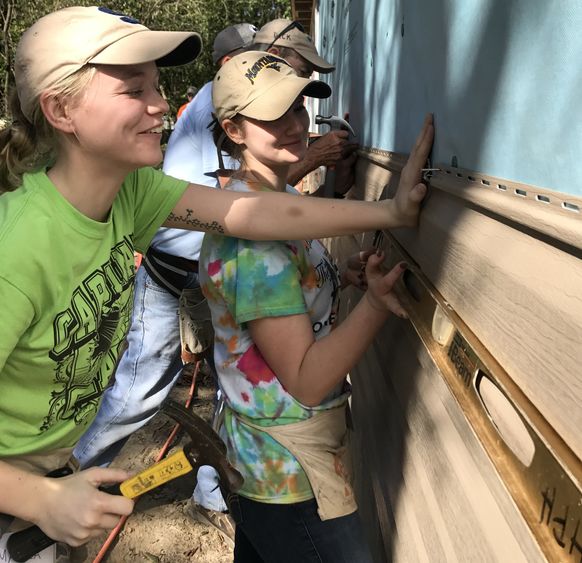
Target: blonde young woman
(281,366)
(79,196)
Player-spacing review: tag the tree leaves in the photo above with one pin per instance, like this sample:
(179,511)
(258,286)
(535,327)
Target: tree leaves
(207,17)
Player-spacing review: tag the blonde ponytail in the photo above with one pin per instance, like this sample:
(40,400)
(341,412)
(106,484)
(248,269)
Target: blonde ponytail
(24,146)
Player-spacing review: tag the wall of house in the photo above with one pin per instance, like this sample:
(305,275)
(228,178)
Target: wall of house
(467,442)
(503,79)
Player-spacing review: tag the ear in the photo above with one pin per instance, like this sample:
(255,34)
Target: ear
(234,131)
(56,112)
(274,51)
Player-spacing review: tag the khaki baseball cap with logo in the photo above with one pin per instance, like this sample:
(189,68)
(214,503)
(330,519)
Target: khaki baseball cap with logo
(287,33)
(61,43)
(260,85)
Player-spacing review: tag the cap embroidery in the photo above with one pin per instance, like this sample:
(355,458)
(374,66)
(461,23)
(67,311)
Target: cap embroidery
(289,37)
(268,61)
(122,17)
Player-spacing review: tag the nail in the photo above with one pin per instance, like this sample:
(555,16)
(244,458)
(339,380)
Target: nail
(404,265)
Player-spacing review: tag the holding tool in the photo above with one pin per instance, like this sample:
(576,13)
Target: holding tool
(204,448)
(335,122)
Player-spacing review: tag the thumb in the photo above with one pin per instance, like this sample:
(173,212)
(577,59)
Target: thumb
(393,275)
(417,193)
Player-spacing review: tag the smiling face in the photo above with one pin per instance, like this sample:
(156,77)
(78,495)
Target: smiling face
(276,144)
(117,122)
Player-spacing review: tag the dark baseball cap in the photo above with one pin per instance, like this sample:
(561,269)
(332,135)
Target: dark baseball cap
(232,38)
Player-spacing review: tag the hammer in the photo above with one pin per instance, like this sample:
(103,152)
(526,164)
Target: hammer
(204,448)
(335,122)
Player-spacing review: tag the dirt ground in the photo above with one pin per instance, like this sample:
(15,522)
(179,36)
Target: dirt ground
(160,529)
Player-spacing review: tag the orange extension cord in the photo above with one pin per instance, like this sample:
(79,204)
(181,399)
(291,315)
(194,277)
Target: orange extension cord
(162,453)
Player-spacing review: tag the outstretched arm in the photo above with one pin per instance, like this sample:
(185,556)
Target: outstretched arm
(276,216)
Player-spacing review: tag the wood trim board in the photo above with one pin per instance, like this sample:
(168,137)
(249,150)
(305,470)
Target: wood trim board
(517,288)
(506,263)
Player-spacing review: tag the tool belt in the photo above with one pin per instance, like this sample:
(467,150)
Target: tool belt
(196,331)
(321,445)
(169,271)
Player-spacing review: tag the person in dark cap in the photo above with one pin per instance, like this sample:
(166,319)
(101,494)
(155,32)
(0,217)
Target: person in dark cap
(190,93)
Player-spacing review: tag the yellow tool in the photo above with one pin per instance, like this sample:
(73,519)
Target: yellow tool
(165,470)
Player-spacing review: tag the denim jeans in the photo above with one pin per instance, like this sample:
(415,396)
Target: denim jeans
(144,377)
(294,533)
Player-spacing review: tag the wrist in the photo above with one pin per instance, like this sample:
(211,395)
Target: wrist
(297,172)
(42,499)
(23,493)
(391,217)
(378,308)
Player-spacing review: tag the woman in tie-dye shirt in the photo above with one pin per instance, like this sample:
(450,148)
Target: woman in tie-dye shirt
(274,305)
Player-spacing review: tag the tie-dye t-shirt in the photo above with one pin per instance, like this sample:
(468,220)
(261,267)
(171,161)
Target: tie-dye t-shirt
(246,280)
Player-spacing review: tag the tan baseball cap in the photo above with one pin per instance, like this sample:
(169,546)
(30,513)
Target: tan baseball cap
(61,43)
(288,33)
(260,85)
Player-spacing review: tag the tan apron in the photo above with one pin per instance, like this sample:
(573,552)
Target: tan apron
(321,445)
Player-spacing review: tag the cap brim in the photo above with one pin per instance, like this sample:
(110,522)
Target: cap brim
(165,48)
(274,105)
(319,63)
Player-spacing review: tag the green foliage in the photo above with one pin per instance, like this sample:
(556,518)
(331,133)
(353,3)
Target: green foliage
(207,17)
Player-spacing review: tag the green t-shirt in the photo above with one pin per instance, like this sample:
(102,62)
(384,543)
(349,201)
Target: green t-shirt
(66,285)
